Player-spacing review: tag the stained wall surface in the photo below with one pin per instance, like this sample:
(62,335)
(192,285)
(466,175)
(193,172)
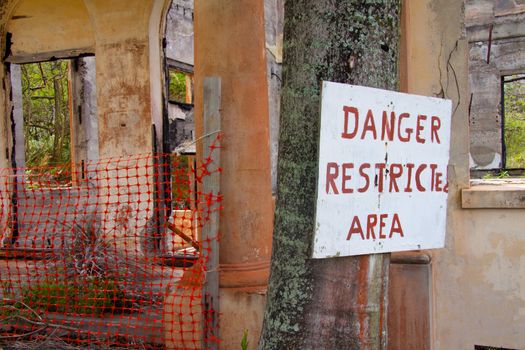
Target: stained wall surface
(125,38)
(480,268)
(476,289)
(41,29)
(118,34)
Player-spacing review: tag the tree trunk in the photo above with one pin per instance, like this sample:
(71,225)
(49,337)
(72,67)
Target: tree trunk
(334,303)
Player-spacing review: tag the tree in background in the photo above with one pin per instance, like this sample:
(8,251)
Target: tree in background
(514,100)
(46,113)
(329,303)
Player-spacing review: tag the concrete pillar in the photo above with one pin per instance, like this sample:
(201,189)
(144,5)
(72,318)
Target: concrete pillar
(89,106)
(84,121)
(18,116)
(123,75)
(230,43)
(124,107)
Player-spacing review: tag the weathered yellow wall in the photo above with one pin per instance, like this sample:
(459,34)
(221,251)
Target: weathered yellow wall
(120,34)
(50,26)
(478,291)
(479,281)
(123,79)
(477,286)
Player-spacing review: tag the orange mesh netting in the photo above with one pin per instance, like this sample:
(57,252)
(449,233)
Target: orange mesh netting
(109,255)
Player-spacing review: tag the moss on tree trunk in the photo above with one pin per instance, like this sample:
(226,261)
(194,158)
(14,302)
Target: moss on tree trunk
(329,303)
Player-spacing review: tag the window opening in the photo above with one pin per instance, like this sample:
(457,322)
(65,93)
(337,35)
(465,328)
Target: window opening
(513,129)
(46,107)
(180,86)
(179,121)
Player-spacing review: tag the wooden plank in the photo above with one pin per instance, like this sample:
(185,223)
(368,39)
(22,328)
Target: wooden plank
(27,253)
(211,184)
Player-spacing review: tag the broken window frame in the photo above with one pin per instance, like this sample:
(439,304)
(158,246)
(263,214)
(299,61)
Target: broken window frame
(77,171)
(187,70)
(68,167)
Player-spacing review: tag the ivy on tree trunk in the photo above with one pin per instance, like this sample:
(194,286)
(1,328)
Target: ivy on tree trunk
(329,303)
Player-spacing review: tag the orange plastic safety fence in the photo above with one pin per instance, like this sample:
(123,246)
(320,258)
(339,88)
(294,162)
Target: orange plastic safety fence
(106,256)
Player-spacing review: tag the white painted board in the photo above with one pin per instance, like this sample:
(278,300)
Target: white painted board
(382,182)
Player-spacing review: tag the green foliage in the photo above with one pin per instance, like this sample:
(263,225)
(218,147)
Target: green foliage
(6,288)
(515,124)
(244,341)
(180,181)
(45,102)
(499,175)
(84,297)
(177,86)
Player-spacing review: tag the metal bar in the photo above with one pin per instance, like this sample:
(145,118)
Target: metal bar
(470,105)
(503,145)
(490,43)
(157,193)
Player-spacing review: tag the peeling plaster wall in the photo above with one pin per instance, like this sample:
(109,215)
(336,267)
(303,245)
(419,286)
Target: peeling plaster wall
(122,65)
(124,99)
(48,27)
(118,33)
(479,284)
(123,34)
(493,249)
(478,296)
(506,16)
(476,287)
(85,120)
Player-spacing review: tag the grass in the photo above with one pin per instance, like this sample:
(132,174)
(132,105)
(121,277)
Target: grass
(85,297)
(244,340)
